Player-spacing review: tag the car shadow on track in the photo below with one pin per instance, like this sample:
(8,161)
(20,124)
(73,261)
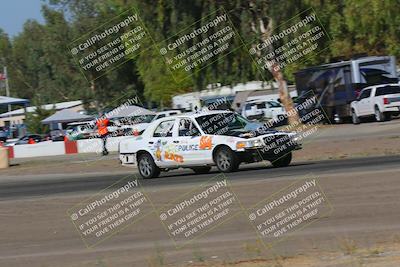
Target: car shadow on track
(242,170)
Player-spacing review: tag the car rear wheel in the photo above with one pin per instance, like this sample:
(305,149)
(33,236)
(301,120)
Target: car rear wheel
(201,170)
(379,116)
(354,117)
(282,161)
(226,160)
(147,167)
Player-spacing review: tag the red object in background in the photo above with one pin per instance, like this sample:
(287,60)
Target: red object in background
(71,147)
(31,141)
(3,77)
(135,132)
(10,152)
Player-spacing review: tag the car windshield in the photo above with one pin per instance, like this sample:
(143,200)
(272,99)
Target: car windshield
(221,123)
(274,104)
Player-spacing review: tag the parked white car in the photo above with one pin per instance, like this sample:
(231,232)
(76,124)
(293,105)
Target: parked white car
(381,101)
(80,130)
(130,125)
(201,140)
(261,109)
(137,124)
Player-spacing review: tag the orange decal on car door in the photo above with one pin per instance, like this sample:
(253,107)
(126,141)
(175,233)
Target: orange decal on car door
(205,142)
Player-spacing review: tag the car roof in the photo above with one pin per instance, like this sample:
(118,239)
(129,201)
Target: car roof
(380,85)
(203,113)
(260,101)
(149,130)
(193,115)
(168,111)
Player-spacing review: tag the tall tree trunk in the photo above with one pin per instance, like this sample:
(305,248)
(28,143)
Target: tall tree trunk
(262,25)
(284,96)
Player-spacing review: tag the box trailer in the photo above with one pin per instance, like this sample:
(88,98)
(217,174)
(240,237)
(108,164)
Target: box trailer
(336,85)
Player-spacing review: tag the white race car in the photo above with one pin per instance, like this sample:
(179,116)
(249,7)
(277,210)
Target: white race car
(201,140)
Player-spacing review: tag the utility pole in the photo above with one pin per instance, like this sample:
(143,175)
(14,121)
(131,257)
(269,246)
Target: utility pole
(7,86)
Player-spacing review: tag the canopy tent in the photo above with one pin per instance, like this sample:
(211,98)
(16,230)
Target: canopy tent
(128,111)
(6,100)
(66,115)
(56,106)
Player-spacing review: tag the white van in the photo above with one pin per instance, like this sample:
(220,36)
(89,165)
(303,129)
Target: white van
(263,109)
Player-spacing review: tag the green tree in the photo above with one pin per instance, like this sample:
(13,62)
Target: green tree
(34,120)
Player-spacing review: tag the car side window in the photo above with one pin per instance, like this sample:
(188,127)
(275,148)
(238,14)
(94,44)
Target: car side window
(188,128)
(164,129)
(365,94)
(260,105)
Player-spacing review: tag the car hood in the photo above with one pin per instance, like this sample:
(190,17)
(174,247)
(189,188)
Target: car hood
(252,129)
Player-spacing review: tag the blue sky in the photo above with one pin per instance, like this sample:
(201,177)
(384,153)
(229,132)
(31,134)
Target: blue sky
(13,14)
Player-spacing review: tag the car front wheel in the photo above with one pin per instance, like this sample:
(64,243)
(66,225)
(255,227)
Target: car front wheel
(354,117)
(147,167)
(282,161)
(226,160)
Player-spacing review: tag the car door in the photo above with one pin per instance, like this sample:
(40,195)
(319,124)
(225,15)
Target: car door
(191,144)
(247,110)
(362,104)
(162,146)
(369,102)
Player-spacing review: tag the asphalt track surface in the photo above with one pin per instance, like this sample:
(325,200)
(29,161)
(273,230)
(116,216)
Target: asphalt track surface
(42,186)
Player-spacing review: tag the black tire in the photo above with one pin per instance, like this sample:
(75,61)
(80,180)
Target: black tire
(379,116)
(146,166)
(283,161)
(202,169)
(226,160)
(354,118)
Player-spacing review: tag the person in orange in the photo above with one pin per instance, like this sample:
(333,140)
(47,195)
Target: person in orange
(102,130)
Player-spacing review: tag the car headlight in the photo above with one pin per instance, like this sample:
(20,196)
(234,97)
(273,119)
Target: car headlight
(249,144)
(294,137)
(257,143)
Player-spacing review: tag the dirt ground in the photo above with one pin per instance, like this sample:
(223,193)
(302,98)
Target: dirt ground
(383,255)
